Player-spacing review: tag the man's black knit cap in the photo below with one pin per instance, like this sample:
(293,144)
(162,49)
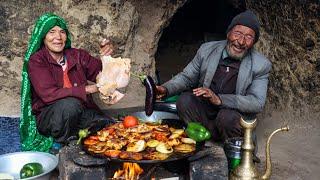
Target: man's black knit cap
(248,19)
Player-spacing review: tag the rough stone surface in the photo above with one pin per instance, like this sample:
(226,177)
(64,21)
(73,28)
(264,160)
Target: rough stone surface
(213,166)
(290,39)
(68,170)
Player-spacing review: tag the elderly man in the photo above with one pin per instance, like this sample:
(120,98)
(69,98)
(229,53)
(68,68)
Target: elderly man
(225,80)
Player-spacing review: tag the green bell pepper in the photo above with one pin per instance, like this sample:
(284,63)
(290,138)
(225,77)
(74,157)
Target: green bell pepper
(31,169)
(197,132)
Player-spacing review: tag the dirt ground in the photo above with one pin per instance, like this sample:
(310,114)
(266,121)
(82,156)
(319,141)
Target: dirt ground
(295,154)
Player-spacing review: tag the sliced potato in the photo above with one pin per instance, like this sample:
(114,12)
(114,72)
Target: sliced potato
(172,129)
(137,146)
(153,143)
(177,133)
(164,148)
(174,136)
(184,148)
(188,141)
(173,142)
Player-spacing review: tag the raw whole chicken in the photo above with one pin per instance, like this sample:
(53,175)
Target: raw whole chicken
(115,74)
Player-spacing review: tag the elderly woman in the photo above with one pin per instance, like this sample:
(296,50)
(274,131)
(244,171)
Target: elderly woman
(55,98)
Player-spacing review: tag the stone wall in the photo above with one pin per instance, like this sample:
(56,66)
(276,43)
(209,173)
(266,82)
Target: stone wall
(290,38)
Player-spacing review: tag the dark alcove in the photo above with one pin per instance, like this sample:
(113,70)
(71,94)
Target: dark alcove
(193,24)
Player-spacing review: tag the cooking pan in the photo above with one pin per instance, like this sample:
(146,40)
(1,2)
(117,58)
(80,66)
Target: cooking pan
(175,123)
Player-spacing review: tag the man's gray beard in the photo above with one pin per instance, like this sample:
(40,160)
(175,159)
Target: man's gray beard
(240,57)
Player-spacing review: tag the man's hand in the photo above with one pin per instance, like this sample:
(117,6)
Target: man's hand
(208,94)
(161,92)
(106,47)
(91,89)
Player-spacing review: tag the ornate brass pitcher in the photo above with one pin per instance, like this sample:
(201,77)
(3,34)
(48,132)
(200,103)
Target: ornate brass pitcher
(246,170)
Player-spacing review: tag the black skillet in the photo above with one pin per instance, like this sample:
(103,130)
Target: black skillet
(175,123)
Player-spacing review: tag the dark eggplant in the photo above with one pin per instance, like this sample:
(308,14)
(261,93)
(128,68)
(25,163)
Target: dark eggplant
(150,95)
(150,87)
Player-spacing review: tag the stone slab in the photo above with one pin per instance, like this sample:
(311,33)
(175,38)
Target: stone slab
(68,170)
(213,166)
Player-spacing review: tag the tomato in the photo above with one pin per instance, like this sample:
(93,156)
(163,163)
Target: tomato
(130,121)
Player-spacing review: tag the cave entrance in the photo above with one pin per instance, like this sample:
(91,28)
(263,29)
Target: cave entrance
(193,24)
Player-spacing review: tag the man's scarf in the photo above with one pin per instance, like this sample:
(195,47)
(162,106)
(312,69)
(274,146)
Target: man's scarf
(30,138)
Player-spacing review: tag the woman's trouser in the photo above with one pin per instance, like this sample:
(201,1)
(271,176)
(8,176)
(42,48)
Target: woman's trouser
(64,118)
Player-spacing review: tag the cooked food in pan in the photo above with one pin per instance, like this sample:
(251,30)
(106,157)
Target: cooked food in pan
(140,142)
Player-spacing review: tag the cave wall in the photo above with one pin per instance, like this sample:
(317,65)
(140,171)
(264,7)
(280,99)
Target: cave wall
(290,38)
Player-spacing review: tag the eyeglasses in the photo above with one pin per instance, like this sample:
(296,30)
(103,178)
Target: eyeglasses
(238,35)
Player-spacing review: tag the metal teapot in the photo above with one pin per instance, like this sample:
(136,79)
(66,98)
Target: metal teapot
(246,170)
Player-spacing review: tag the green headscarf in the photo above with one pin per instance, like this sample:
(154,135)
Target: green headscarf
(30,138)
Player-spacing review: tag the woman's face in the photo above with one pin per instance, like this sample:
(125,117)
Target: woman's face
(55,39)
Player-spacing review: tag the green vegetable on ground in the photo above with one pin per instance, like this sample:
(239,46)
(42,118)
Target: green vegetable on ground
(82,134)
(198,132)
(31,169)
